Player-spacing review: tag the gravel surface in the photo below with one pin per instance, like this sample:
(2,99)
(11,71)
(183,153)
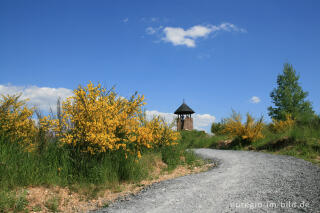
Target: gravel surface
(242,182)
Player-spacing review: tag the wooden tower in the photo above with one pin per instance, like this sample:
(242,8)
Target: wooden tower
(184,121)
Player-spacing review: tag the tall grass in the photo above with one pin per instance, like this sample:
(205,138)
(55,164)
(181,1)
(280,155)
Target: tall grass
(199,139)
(19,168)
(56,166)
(300,141)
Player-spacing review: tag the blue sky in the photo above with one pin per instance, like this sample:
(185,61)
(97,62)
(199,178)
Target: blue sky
(216,55)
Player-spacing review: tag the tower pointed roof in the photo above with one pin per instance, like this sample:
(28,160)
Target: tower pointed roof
(184,109)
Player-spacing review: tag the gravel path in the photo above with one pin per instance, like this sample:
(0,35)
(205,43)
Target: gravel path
(242,182)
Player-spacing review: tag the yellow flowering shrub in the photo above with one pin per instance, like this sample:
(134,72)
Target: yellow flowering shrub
(159,133)
(95,120)
(16,120)
(282,125)
(251,130)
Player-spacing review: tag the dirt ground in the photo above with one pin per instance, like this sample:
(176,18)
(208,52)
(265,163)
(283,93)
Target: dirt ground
(55,198)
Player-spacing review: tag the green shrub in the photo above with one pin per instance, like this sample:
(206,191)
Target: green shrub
(217,128)
(171,156)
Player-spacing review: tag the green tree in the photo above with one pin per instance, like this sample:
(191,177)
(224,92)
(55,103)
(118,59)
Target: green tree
(288,97)
(216,128)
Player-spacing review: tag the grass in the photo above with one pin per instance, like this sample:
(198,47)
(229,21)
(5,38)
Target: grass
(57,166)
(199,139)
(52,204)
(181,154)
(12,201)
(54,165)
(36,208)
(301,141)
(20,168)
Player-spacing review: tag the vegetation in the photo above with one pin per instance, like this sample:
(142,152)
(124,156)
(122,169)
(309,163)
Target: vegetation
(15,120)
(279,126)
(217,128)
(53,204)
(199,139)
(250,131)
(287,137)
(96,138)
(12,201)
(288,97)
(294,130)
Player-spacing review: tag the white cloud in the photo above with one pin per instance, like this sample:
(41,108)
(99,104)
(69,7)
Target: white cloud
(255,100)
(125,20)
(42,97)
(153,30)
(150,19)
(204,56)
(150,30)
(179,36)
(203,120)
(154,19)
(168,117)
(200,121)
(229,27)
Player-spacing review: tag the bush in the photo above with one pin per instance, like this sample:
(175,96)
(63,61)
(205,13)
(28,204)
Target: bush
(96,137)
(311,121)
(95,121)
(217,128)
(15,121)
(278,126)
(171,156)
(250,131)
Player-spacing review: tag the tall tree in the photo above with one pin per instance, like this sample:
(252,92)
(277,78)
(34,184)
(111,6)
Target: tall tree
(288,97)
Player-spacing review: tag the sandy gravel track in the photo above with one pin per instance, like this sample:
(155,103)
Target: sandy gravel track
(242,182)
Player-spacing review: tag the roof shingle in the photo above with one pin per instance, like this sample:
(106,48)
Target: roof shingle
(184,109)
